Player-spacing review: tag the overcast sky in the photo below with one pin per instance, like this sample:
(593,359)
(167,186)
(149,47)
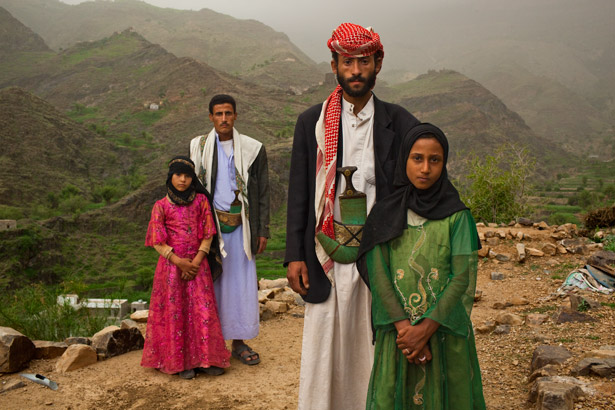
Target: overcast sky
(309,23)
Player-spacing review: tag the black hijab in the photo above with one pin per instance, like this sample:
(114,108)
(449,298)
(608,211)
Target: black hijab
(388,217)
(183,165)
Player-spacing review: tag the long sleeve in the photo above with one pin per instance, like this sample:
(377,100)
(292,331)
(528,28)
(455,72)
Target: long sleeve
(298,196)
(156,230)
(386,307)
(263,193)
(454,305)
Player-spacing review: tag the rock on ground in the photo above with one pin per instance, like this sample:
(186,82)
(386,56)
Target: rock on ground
(76,357)
(16,350)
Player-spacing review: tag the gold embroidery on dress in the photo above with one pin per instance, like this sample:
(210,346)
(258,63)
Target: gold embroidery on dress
(432,275)
(416,304)
(418,396)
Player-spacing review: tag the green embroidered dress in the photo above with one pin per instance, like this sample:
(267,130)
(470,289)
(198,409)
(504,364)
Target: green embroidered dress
(427,272)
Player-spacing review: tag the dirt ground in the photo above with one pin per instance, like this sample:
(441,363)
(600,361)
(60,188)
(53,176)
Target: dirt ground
(120,383)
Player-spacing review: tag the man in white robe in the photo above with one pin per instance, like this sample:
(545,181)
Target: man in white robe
(351,128)
(227,162)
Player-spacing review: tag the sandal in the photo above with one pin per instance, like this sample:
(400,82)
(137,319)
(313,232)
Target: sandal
(248,358)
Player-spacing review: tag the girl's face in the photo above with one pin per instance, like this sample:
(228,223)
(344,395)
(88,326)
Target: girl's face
(425,162)
(181,182)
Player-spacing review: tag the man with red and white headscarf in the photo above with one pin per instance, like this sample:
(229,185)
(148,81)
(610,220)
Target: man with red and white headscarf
(351,128)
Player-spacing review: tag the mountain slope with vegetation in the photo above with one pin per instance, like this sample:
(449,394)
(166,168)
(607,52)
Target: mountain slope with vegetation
(45,153)
(246,48)
(474,118)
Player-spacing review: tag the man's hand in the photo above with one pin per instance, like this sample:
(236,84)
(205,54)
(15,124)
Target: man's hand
(297,275)
(262,244)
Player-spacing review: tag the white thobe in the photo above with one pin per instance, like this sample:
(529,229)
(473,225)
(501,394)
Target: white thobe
(337,353)
(237,288)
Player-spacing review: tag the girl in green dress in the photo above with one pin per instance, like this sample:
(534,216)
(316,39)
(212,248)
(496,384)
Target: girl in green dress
(419,255)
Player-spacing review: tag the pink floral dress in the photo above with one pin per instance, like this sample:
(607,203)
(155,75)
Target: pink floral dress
(183,329)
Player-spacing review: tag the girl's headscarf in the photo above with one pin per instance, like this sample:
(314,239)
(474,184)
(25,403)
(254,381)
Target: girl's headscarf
(388,217)
(183,165)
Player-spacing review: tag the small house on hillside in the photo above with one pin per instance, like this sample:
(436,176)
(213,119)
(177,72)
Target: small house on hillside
(8,224)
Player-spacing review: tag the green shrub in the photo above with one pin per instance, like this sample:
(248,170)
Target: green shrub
(145,278)
(34,311)
(10,212)
(609,243)
(585,199)
(73,205)
(560,218)
(498,190)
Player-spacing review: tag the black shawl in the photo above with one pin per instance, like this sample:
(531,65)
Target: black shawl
(388,217)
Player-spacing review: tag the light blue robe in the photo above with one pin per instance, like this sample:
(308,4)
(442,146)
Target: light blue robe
(237,288)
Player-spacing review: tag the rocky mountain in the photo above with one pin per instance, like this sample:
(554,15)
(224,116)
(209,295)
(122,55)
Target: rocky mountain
(139,96)
(474,118)
(119,77)
(15,37)
(245,48)
(43,151)
(542,58)
(554,110)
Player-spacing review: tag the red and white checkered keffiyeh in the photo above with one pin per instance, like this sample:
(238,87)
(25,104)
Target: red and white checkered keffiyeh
(327,134)
(352,40)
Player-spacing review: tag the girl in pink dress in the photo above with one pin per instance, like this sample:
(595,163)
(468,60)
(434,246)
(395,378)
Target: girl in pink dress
(183,329)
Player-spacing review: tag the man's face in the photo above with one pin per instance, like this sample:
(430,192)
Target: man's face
(356,75)
(223,118)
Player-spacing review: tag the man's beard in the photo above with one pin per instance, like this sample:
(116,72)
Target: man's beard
(368,84)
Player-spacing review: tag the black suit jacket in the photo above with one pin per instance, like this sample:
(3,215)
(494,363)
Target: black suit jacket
(391,123)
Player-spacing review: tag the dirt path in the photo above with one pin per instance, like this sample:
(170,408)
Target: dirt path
(120,383)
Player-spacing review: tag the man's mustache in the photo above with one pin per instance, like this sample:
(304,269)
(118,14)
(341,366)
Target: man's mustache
(357,78)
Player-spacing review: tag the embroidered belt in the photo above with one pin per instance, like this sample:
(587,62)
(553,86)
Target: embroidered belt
(228,221)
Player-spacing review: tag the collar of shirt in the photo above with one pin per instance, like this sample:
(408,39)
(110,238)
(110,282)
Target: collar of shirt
(364,115)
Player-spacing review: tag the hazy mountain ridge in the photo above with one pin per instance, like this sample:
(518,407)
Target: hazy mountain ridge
(572,116)
(565,42)
(15,37)
(473,117)
(110,84)
(113,81)
(228,44)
